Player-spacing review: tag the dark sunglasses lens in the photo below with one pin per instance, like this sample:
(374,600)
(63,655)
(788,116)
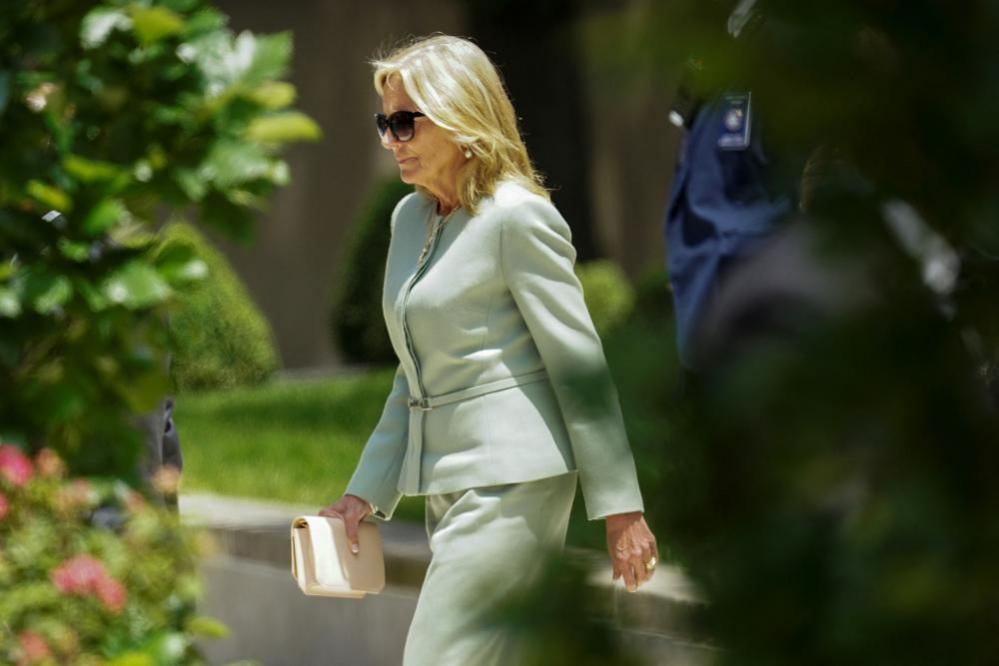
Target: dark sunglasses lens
(402,126)
(381,122)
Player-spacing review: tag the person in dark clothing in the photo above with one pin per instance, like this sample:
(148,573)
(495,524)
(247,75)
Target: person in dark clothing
(721,208)
(162,459)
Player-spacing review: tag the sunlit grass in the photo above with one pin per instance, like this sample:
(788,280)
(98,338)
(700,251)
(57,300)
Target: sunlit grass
(293,441)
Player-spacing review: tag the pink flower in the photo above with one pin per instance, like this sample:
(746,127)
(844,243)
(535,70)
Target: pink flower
(49,464)
(79,575)
(34,649)
(85,575)
(14,465)
(78,494)
(112,594)
(4,506)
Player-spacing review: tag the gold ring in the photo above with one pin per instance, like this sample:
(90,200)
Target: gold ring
(651,564)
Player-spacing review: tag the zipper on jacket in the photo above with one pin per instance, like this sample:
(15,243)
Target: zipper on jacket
(421,268)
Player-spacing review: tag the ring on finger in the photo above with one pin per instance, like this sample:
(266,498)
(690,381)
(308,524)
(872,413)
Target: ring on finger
(651,564)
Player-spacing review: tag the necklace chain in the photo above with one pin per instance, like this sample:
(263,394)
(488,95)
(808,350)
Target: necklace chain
(438,223)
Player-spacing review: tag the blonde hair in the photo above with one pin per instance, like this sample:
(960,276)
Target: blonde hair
(455,85)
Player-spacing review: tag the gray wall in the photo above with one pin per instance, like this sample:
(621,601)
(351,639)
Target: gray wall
(291,266)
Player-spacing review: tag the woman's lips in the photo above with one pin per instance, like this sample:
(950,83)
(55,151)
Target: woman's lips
(405,160)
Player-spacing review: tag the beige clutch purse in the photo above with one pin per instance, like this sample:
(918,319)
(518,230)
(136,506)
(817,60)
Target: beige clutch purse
(322,564)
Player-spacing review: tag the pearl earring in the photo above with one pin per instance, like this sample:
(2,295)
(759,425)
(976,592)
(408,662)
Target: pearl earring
(468,153)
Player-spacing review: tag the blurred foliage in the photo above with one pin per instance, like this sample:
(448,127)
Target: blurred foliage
(221,340)
(357,324)
(609,296)
(550,637)
(112,113)
(73,593)
(833,489)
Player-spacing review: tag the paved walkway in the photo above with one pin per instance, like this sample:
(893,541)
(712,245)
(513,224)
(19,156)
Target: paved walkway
(252,563)
(403,540)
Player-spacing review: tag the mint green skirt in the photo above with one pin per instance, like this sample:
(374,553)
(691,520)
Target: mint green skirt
(488,543)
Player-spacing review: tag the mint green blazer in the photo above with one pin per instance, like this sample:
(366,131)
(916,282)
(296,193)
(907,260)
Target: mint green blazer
(502,377)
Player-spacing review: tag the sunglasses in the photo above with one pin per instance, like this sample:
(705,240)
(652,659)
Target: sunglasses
(402,124)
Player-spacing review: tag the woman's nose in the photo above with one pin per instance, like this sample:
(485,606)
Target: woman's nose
(389,142)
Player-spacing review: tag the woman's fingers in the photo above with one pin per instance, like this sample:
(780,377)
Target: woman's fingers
(633,549)
(351,510)
(628,573)
(350,523)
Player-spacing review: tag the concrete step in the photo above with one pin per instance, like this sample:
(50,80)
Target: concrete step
(249,580)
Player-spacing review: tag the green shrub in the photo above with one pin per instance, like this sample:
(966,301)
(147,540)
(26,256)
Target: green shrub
(221,339)
(356,323)
(73,593)
(654,296)
(609,296)
(113,114)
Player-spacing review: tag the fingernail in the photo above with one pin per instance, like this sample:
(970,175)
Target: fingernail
(354,548)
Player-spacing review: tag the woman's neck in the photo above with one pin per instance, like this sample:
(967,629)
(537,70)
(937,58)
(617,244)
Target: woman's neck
(445,191)
(446,202)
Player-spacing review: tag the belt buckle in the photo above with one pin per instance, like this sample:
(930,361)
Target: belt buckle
(422,404)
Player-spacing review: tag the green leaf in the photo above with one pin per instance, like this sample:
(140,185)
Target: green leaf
(151,24)
(45,291)
(133,659)
(179,264)
(190,183)
(143,393)
(4,90)
(73,251)
(50,196)
(246,60)
(91,171)
(169,648)
(133,235)
(103,216)
(273,94)
(180,5)
(10,306)
(283,128)
(203,20)
(271,56)
(231,163)
(100,23)
(95,298)
(136,285)
(208,627)
(280,174)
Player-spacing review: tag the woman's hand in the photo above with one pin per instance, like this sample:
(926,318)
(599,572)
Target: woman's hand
(632,548)
(351,509)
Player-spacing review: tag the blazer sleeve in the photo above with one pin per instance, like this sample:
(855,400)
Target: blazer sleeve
(537,258)
(377,475)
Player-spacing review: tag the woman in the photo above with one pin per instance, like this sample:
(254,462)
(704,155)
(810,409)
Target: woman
(502,396)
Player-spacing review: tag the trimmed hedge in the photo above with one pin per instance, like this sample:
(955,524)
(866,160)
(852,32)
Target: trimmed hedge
(221,339)
(357,326)
(609,295)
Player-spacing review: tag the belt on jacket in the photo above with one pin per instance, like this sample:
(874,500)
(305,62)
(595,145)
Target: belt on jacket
(409,479)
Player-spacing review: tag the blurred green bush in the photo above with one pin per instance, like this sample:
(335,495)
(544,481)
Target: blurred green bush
(357,325)
(221,339)
(609,295)
(112,115)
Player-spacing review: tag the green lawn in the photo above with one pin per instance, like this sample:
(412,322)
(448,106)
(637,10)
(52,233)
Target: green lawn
(295,441)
